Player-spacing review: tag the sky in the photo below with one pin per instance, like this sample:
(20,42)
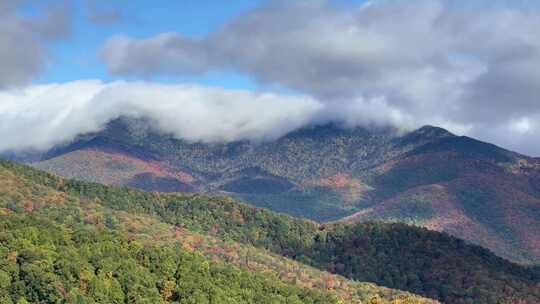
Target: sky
(222,71)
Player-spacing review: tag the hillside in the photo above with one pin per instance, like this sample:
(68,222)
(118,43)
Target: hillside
(429,177)
(469,189)
(83,242)
(48,263)
(428,263)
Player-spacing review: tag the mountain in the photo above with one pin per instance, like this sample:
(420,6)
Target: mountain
(429,177)
(134,225)
(470,189)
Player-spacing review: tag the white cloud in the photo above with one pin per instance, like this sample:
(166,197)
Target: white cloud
(39,116)
(522,125)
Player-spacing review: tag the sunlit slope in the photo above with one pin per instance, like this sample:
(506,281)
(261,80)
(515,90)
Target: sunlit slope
(31,202)
(408,258)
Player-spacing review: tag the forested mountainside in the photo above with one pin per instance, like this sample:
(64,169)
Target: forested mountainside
(395,255)
(299,173)
(44,262)
(57,246)
(429,177)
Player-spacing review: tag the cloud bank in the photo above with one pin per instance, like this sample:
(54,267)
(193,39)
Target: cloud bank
(469,66)
(40,116)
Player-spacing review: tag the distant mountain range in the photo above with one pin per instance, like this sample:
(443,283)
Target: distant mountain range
(429,177)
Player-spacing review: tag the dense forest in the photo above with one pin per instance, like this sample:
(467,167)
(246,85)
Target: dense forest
(30,207)
(424,262)
(397,256)
(43,262)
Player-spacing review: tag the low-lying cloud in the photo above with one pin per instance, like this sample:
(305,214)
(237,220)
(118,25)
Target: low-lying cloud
(469,66)
(38,117)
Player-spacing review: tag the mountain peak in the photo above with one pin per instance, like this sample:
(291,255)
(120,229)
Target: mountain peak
(424,135)
(432,131)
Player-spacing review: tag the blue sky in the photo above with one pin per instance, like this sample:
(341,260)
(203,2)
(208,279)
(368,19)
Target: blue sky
(76,57)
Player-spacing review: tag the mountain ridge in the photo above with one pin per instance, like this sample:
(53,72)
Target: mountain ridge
(328,173)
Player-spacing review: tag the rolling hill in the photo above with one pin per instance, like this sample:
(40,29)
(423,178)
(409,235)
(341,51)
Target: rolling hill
(425,262)
(429,177)
(59,245)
